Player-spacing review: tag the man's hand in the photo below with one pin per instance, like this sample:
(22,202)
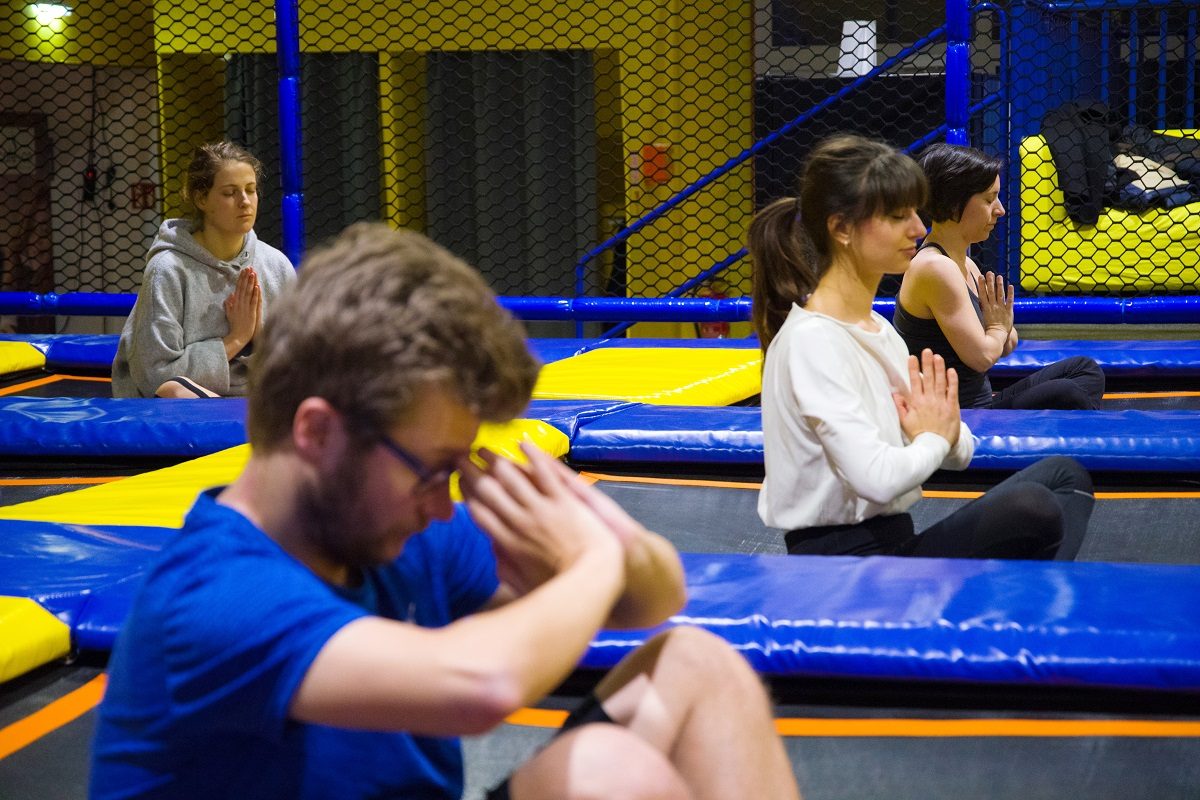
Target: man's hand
(539,520)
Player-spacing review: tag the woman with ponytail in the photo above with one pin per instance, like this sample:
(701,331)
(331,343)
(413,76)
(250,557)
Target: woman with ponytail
(852,425)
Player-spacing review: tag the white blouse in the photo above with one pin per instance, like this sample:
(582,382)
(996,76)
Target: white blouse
(834,450)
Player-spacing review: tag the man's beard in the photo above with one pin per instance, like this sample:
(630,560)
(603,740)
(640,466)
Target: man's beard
(337,515)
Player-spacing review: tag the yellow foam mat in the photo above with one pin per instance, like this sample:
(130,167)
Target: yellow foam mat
(162,498)
(30,636)
(658,375)
(1151,250)
(20,356)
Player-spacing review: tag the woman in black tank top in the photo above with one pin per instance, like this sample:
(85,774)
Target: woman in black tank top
(947,305)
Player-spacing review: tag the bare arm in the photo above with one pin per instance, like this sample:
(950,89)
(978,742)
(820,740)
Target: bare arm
(466,677)
(938,285)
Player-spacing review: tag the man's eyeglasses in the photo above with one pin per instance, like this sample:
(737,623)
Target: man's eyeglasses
(426,478)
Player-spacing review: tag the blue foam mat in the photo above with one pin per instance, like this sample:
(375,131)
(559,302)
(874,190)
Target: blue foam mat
(1126,359)
(72,351)
(105,426)
(1118,358)
(1009,622)
(1129,440)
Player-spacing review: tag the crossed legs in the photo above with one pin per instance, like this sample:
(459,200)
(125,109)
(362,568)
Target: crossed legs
(692,721)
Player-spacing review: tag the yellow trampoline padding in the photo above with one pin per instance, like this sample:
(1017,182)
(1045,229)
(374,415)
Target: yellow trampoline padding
(30,636)
(659,375)
(162,498)
(20,356)
(1145,251)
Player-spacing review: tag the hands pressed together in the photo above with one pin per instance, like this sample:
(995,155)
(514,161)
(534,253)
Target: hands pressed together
(244,310)
(542,518)
(931,403)
(995,301)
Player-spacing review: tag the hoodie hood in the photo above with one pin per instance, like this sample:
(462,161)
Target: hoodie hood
(175,235)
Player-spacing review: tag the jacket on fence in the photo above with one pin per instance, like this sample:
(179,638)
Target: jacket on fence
(1102,164)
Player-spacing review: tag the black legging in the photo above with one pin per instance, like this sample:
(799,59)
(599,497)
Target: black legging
(1076,382)
(1041,512)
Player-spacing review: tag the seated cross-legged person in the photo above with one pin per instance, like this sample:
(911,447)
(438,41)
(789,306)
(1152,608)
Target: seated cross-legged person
(947,305)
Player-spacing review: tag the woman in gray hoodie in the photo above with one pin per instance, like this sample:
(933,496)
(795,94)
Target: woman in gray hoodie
(207,283)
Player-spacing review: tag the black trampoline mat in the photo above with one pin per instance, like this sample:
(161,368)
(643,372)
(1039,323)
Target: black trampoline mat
(43,384)
(837,751)
(711,517)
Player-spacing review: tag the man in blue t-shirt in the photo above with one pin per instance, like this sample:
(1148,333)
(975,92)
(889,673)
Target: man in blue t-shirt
(326,625)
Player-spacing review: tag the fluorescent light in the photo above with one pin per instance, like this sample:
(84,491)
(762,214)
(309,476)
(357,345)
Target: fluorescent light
(48,13)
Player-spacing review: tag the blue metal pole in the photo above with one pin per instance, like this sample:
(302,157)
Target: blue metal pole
(958,71)
(287,43)
(1161,116)
(1189,59)
(1135,56)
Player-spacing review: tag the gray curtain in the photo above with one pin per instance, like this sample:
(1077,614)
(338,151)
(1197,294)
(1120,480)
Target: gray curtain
(340,129)
(511,164)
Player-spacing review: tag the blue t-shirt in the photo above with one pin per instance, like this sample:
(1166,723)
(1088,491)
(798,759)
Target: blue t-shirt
(221,636)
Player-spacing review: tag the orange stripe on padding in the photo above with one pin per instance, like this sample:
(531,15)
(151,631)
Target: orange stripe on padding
(943,728)
(65,709)
(596,476)
(537,718)
(1146,395)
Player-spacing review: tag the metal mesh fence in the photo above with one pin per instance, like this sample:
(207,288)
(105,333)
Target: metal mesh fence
(1104,197)
(526,135)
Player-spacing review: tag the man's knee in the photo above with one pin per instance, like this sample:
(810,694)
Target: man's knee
(596,762)
(709,656)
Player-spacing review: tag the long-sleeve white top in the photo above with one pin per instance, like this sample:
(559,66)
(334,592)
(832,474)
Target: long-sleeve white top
(834,450)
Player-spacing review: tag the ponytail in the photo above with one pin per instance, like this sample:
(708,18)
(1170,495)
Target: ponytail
(845,176)
(785,266)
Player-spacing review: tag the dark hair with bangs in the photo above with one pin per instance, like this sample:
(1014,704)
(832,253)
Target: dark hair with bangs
(847,176)
(955,174)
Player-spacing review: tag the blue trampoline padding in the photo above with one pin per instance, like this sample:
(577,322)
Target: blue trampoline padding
(1167,441)
(652,434)
(568,415)
(1017,622)
(1128,626)
(105,426)
(548,350)
(1130,359)
(72,351)
(83,574)
(1130,440)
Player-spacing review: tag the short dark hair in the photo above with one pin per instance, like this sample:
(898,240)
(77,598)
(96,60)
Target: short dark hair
(955,174)
(375,316)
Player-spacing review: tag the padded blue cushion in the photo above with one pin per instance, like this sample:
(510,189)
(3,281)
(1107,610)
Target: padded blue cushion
(72,351)
(105,426)
(1128,440)
(1012,622)
(1006,622)
(665,434)
(1127,359)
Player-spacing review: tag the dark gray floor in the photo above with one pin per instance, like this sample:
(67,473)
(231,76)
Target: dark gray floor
(922,768)
(708,519)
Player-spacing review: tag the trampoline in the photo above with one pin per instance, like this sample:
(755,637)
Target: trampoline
(670,431)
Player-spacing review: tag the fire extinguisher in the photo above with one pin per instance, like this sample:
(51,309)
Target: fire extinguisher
(714,290)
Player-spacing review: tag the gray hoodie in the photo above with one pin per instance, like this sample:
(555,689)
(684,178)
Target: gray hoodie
(178,322)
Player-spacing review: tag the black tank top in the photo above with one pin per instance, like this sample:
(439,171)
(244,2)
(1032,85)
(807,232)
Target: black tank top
(974,388)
